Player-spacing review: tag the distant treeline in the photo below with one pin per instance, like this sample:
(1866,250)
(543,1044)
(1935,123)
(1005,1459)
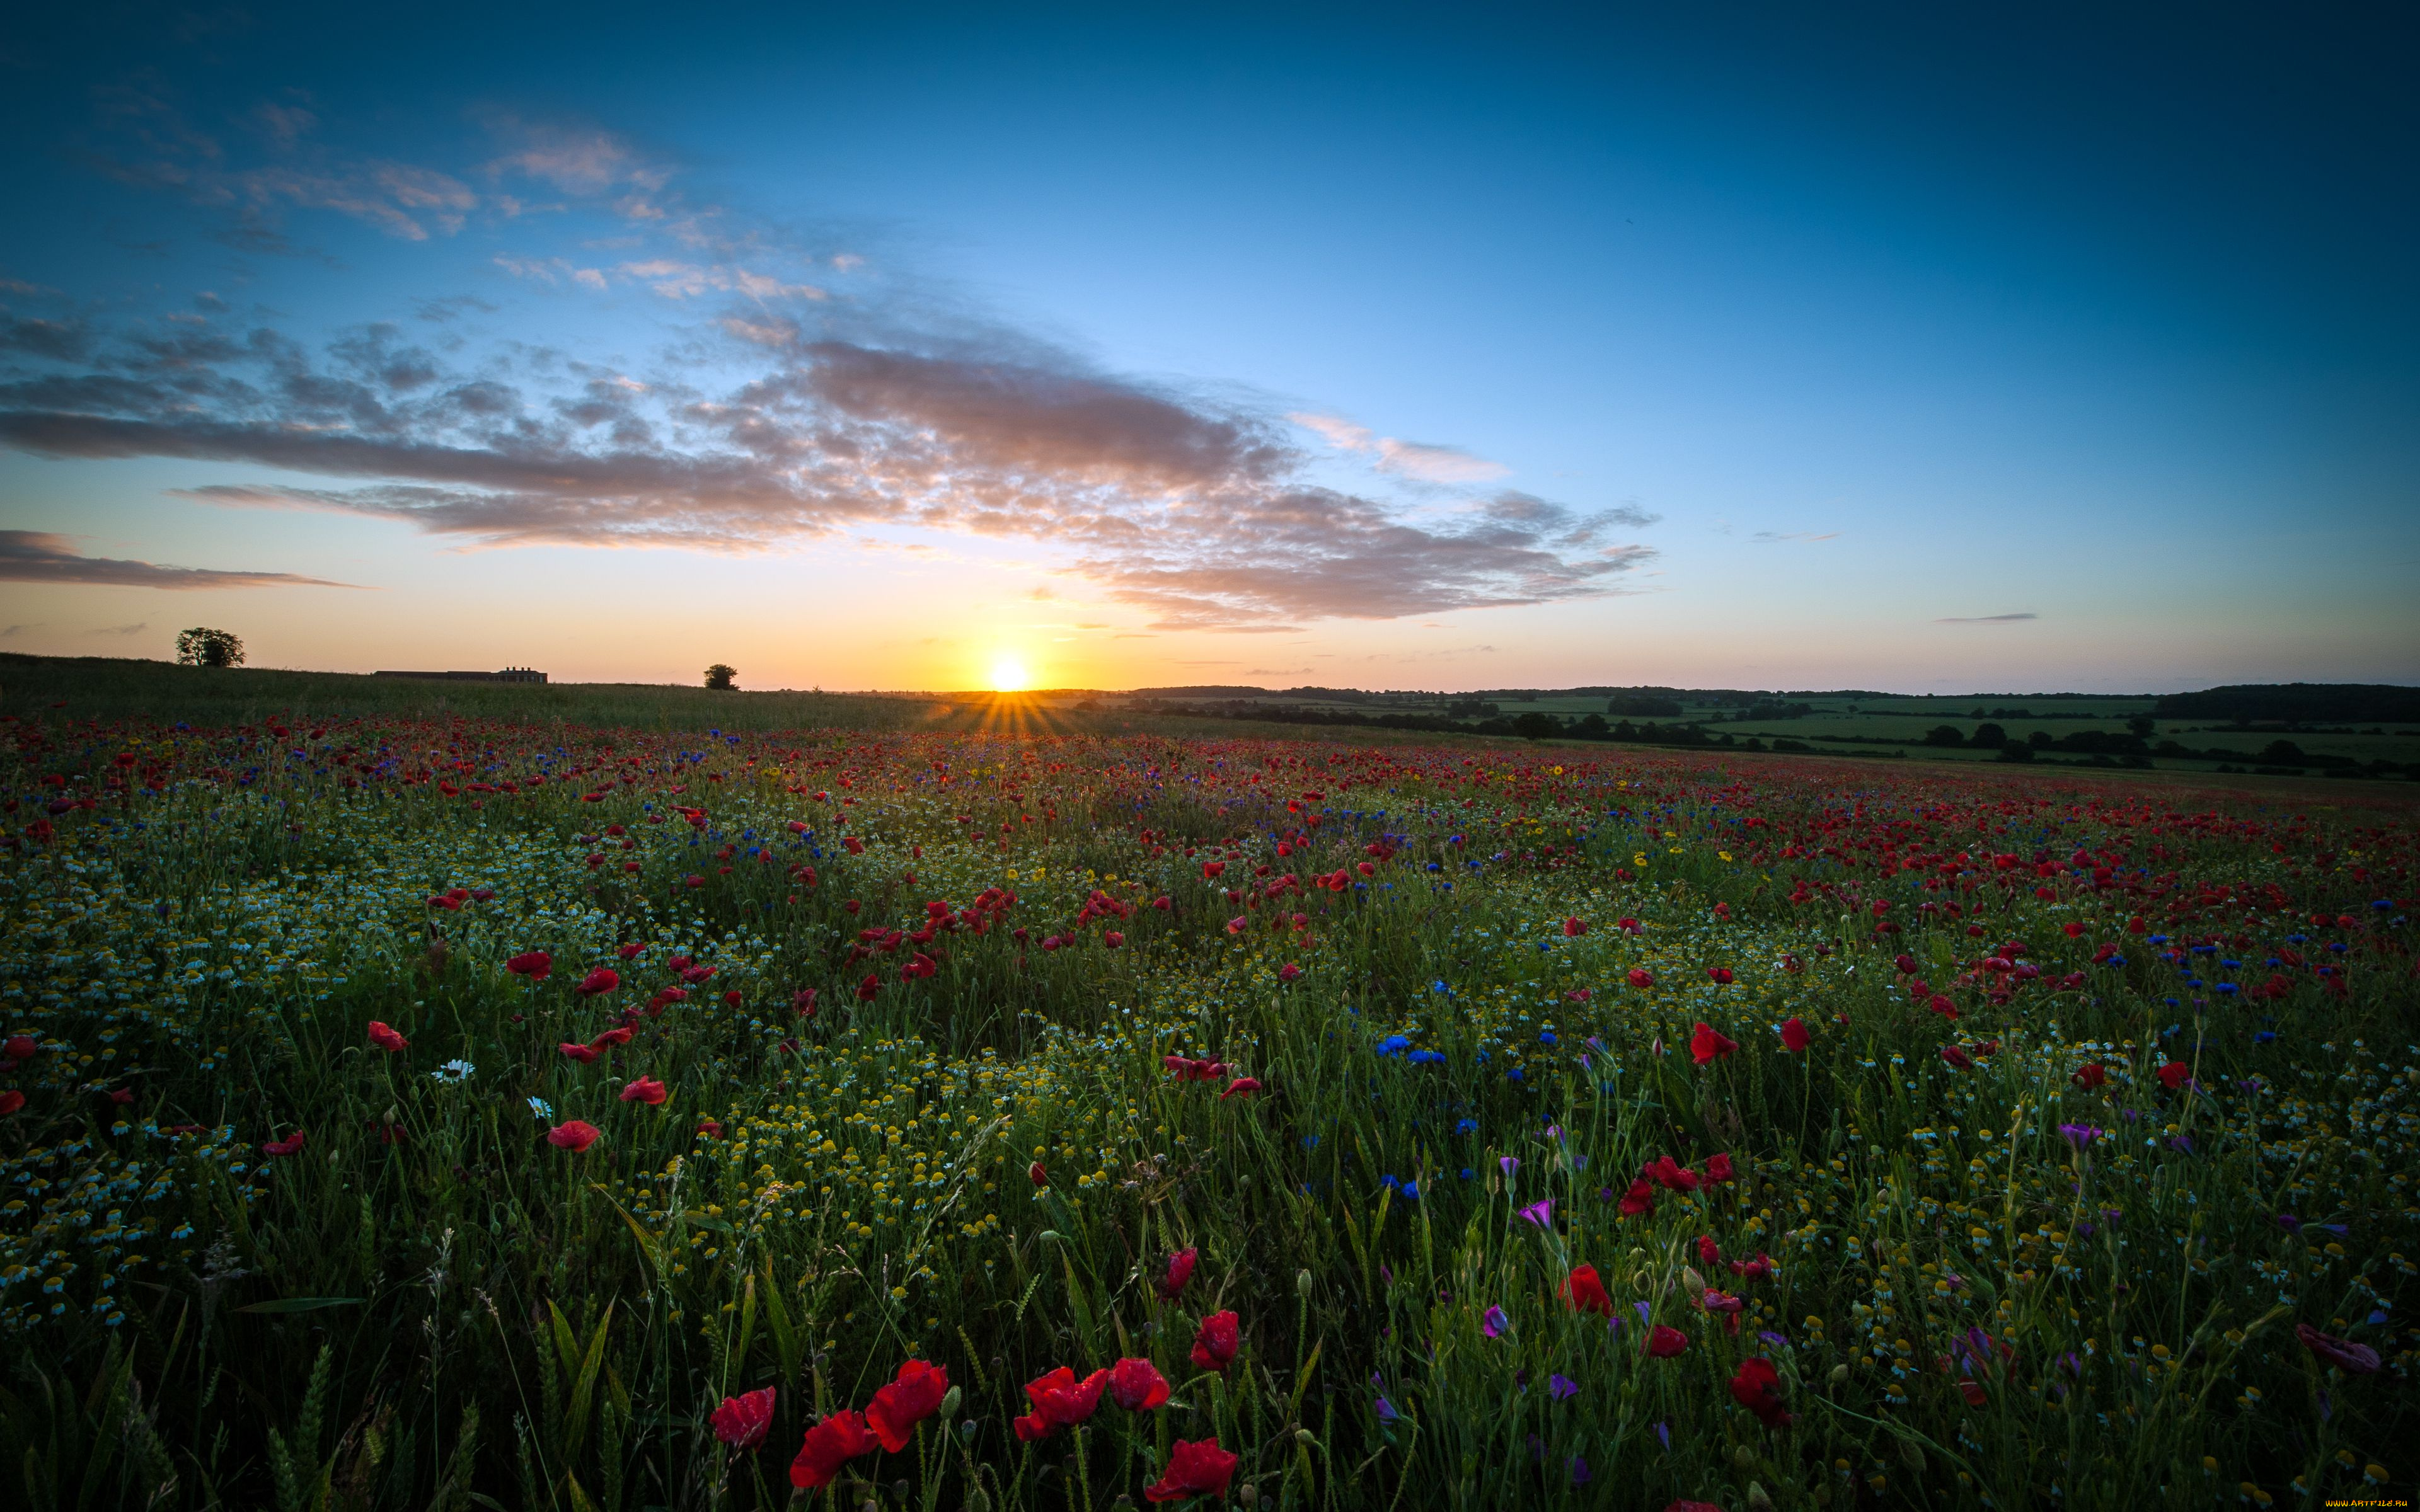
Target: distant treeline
(2296,704)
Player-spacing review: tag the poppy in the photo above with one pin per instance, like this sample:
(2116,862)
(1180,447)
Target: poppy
(575,1135)
(630,950)
(1038,1175)
(1240,1086)
(612,1036)
(1194,1469)
(829,1445)
(1709,1253)
(914,1395)
(2090,1074)
(1587,1292)
(741,1421)
(1112,939)
(2355,1358)
(598,982)
(535,964)
(386,1039)
(581,1052)
(1709,1044)
(1639,1201)
(1719,976)
(1641,977)
(645,1090)
(1718,1169)
(1137,1385)
(1664,1342)
(1060,1401)
(1672,1174)
(2175,1075)
(870,989)
(291,1144)
(1757,1386)
(1794,1037)
(1180,1271)
(709,1127)
(23,1047)
(1973,1389)
(1956,1057)
(1574,928)
(1216,1342)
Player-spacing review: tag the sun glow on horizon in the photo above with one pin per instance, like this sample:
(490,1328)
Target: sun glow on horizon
(1008,673)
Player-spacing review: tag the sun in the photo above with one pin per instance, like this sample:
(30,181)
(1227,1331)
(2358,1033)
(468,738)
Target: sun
(1008,673)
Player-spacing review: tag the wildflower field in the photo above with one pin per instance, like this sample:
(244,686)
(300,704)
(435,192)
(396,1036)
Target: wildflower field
(434,1113)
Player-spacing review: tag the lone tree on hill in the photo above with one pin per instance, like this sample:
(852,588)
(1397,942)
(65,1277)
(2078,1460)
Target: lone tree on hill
(722,678)
(204,647)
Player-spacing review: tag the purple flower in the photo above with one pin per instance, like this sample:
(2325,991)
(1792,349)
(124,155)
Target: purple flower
(1664,1433)
(1509,1162)
(2079,1134)
(2288,1222)
(1606,1193)
(1387,1413)
(1540,1212)
(2183,1142)
(1562,1387)
(1493,1322)
(1642,1310)
(1779,1341)
(1579,1471)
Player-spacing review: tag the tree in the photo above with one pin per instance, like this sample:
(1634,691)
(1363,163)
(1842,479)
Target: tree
(723,677)
(2142,725)
(203,647)
(1944,734)
(1988,737)
(1535,725)
(2016,753)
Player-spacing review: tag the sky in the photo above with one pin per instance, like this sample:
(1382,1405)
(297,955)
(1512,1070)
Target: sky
(1926,349)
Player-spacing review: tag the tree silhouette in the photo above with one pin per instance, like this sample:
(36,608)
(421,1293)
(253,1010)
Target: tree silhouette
(204,647)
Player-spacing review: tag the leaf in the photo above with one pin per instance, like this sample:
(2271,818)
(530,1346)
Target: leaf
(300,1305)
(708,1220)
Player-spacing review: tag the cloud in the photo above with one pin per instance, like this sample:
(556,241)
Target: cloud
(136,628)
(40,556)
(777,417)
(1985,619)
(9,632)
(1408,459)
(1807,537)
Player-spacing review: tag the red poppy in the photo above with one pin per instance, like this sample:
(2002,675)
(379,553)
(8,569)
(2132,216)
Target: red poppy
(1194,1469)
(914,1395)
(2356,1359)
(630,950)
(2175,1075)
(581,1052)
(10,1101)
(1573,928)
(1586,1291)
(386,1039)
(598,982)
(1641,977)
(829,1445)
(1216,1342)
(645,1090)
(1755,1270)
(535,964)
(1709,1044)
(609,1038)
(1639,1201)
(870,989)
(291,1144)
(1684,1505)
(1060,1401)
(1757,1386)
(1718,1169)
(1664,1342)
(1794,1037)
(1180,1271)
(1973,1389)
(1112,938)
(575,1135)
(1719,976)
(741,1421)
(1671,1173)
(1955,1057)
(1240,1086)
(23,1047)
(2090,1074)
(1708,1251)
(709,1127)
(1137,1385)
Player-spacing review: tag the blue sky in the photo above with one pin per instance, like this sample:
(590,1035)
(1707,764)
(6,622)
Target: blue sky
(1389,348)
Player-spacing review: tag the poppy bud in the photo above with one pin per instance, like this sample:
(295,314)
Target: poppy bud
(1040,1177)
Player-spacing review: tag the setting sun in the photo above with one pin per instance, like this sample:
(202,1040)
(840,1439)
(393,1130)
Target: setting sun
(1008,674)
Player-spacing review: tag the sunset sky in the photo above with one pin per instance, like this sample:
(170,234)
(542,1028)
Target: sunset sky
(1934,351)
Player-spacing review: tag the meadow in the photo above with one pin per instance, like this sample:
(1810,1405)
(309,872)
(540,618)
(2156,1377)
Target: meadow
(502,1105)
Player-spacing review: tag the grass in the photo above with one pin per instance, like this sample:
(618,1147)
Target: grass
(1966,1299)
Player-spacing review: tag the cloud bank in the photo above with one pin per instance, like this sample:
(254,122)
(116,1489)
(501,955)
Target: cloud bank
(40,556)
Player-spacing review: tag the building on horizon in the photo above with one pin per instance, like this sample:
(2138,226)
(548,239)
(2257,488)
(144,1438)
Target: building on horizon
(510,675)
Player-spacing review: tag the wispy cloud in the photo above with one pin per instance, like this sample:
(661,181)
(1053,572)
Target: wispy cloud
(1985,619)
(9,632)
(780,416)
(40,556)
(136,628)
(1806,537)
